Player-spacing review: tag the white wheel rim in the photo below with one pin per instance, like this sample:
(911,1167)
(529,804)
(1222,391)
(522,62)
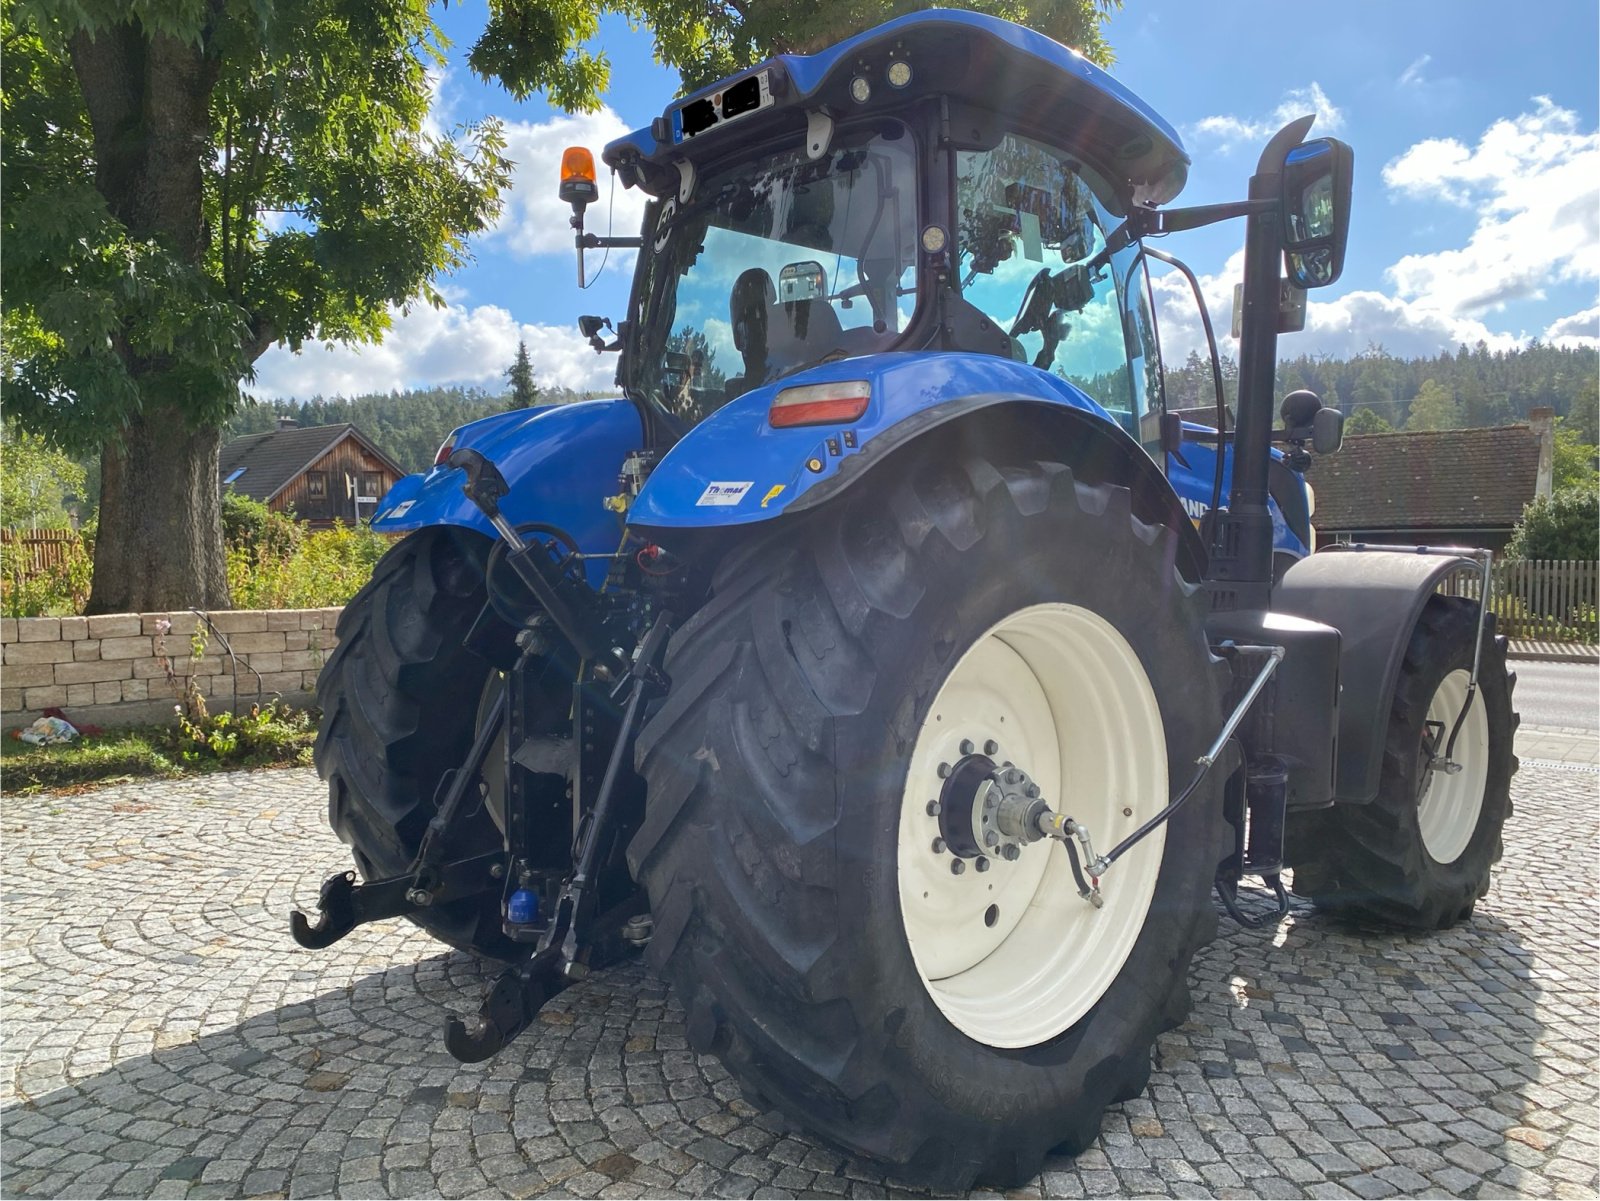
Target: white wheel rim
(1066,699)
(1448,805)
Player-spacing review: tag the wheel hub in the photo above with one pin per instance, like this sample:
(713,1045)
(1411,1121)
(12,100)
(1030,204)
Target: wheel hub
(988,810)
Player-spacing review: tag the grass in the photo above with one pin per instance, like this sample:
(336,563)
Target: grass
(269,736)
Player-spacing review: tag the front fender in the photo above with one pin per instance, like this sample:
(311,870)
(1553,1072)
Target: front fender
(560,460)
(735,469)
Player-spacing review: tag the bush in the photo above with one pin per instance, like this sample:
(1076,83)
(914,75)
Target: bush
(327,568)
(249,525)
(60,590)
(1563,526)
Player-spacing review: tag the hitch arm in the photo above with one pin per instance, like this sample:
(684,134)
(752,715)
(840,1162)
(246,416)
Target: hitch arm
(344,904)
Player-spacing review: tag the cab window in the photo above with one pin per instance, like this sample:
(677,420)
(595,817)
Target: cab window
(1029,220)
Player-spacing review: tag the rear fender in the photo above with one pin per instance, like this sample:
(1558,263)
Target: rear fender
(1373,598)
(735,469)
(561,461)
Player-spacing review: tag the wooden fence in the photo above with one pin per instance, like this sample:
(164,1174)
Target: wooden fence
(1549,599)
(40,550)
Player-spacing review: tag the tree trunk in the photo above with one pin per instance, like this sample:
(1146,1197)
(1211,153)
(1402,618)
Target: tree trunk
(159,546)
(148,97)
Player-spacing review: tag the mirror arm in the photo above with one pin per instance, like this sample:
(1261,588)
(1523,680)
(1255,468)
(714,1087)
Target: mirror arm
(596,242)
(1143,222)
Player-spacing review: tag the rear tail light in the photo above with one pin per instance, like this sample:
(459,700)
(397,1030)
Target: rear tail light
(446,448)
(819,404)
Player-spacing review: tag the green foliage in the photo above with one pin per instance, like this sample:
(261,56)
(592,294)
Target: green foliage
(249,525)
(270,733)
(524,394)
(267,735)
(36,482)
(1575,463)
(1433,408)
(1563,526)
(541,45)
(327,568)
(1367,421)
(324,199)
(60,590)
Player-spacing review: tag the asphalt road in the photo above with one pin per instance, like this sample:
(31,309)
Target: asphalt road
(1558,695)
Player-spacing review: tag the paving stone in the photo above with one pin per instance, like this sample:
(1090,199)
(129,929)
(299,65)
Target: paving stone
(214,1058)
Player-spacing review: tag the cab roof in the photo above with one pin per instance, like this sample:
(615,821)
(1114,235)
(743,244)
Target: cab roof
(1047,91)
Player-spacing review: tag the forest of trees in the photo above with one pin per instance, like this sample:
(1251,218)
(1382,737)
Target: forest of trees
(1467,388)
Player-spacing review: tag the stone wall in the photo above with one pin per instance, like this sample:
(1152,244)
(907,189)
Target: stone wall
(115,667)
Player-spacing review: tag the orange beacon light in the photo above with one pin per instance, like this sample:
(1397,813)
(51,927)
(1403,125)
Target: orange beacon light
(577,177)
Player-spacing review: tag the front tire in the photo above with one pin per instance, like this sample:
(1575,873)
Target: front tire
(1420,854)
(787,834)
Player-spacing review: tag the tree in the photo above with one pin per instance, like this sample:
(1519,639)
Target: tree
(185,185)
(1574,463)
(524,394)
(1433,408)
(1562,526)
(1367,421)
(541,45)
(37,482)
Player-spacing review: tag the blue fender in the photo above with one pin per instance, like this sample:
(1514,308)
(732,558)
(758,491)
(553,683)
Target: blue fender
(560,460)
(1192,480)
(735,469)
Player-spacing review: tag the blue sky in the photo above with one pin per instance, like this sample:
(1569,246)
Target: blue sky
(1476,207)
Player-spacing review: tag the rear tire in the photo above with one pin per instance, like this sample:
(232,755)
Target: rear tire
(773,845)
(400,701)
(1420,854)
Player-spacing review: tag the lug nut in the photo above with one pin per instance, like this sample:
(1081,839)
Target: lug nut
(938,846)
(934,808)
(966,746)
(991,839)
(982,865)
(497,871)
(991,747)
(1033,790)
(944,771)
(419,897)
(1009,852)
(1013,776)
(958,866)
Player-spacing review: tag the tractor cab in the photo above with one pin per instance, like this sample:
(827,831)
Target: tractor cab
(883,196)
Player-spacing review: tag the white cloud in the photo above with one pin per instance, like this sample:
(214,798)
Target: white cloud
(1534,182)
(1230,131)
(1578,329)
(1412,75)
(429,347)
(534,221)
(1344,326)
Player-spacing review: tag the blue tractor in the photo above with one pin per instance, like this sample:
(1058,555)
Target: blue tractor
(886,659)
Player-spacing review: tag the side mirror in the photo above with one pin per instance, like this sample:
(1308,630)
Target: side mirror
(1317,178)
(1327,431)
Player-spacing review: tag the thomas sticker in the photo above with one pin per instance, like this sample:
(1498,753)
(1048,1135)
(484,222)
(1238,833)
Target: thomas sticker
(721,492)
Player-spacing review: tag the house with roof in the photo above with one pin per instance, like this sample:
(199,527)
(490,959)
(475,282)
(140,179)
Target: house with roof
(325,473)
(1439,487)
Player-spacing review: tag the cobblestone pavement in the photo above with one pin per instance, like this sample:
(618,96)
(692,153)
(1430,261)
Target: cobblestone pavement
(163,1037)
